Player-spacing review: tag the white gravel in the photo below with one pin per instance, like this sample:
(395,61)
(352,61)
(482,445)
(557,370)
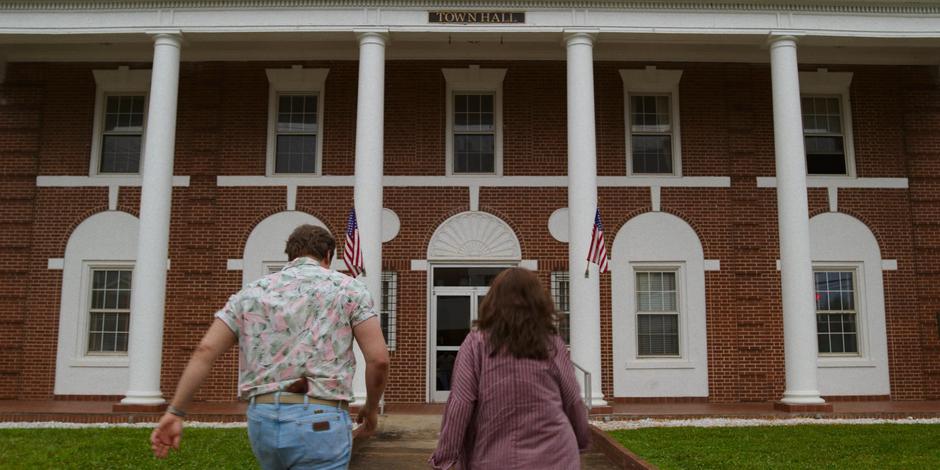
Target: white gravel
(741,422)
(60,425)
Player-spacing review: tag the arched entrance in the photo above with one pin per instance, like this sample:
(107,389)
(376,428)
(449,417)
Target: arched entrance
(465,253)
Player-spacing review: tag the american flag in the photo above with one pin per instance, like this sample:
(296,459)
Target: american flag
(352,253)
(597,254)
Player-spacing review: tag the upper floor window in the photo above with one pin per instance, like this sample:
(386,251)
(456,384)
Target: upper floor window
(561,296)
(651,102)
(657,313)
(474,121)
(109,310)
(295,121)
(827,123)
(120,121)
(836,312)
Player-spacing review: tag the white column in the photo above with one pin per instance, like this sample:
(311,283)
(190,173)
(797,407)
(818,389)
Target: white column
(145,346)
(799,312)
(370,122)
(582,202)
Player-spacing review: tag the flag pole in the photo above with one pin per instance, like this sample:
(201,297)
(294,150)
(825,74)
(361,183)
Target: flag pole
(586,268)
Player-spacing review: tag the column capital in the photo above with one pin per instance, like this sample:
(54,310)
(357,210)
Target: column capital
(377,36)
(784,39)
(585,37)
(167,38)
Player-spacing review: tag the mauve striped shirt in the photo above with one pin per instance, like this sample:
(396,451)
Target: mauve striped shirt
(508,413)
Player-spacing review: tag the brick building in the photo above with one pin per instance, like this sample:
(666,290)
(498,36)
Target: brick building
(746,159)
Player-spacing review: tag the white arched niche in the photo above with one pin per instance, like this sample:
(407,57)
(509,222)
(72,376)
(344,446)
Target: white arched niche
(474,236)
(839,242)
(104,240)
(657,241)
(264,250)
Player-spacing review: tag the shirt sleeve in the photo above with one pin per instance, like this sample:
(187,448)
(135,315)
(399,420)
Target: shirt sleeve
(231,314)
(460,404)
(359,303)
(571,396)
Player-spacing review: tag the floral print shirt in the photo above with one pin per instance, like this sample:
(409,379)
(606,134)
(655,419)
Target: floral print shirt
(298,323)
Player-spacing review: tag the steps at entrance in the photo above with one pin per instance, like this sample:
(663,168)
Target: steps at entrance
(404,442)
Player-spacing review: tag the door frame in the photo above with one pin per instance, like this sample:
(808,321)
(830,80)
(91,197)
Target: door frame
(431,317)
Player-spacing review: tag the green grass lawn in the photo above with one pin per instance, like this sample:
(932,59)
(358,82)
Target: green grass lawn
(909,446)
(117,448)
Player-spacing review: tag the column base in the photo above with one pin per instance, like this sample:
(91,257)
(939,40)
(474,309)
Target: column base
(144,399)
(803,407)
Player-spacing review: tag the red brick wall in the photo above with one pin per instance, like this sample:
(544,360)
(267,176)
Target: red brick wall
(46,113)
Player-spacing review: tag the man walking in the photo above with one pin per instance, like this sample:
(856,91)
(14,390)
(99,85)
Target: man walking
(295,331)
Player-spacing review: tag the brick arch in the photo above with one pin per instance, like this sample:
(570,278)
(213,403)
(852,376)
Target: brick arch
(861,218)
(64,240)
(277,210)
(688,220)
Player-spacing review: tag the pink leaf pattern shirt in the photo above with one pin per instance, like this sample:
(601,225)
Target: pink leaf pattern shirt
(297,323)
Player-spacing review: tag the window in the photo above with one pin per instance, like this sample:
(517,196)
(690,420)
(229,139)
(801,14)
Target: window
(474,133)
(822,135)
(109,312)
(836,313)
(474,121)
(389,307)
(560,294)
(651,134)
(295,120)
(657,313)
(651,102)
(272,267)
(827,122)
(120,121)
(122,134)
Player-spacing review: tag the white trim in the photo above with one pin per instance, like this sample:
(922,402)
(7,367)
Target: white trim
(889,265)
(113,194)
(474,80)
(712,265)
(659,363)
(474,197)
(234,265)
(56,264)
(823,83)
(99,181)
(419,265)
(653,81)
(655,198)
(840,182)
(481,181)
(832,192)
(121,81)
(292,197)
(295,80)
(530,264)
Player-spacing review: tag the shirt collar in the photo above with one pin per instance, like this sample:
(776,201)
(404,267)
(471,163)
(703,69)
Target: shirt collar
(301,261)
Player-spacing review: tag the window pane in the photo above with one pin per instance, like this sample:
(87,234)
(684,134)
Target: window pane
(560,295)
(124,114)
(389,307)
(120,154)
(465,276)
(658,335)
(296,154)
(297,114)
(652,153)
(837,332)
(650,114)
(474,153)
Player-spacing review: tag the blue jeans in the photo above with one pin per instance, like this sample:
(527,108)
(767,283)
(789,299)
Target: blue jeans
(299,436)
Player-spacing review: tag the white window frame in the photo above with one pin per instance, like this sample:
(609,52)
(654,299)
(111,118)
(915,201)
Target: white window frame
(475,80)
(101,359)
(825,84)
(651,81)
(556,281)
(391,340)
(681,306)
(271,267)
(294,81)
(117,82)
(861,319)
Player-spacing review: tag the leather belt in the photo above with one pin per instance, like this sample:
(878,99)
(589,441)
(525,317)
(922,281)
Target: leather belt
(298,398)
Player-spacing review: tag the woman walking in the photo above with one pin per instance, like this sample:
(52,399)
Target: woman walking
(514,401)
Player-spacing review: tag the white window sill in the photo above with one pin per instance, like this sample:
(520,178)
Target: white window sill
(100,361)
(100,180)
(830,181)
(659,363)
(843,362)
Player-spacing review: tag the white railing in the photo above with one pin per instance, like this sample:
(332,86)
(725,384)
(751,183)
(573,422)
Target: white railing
(587,385)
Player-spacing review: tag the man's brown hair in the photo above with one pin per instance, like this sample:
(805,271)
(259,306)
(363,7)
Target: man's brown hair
(518,316)
(310,240)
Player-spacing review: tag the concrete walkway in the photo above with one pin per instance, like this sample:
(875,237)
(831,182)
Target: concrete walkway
(404,442)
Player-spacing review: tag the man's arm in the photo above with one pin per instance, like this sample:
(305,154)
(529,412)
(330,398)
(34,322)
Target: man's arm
(369,336)
(217,340)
